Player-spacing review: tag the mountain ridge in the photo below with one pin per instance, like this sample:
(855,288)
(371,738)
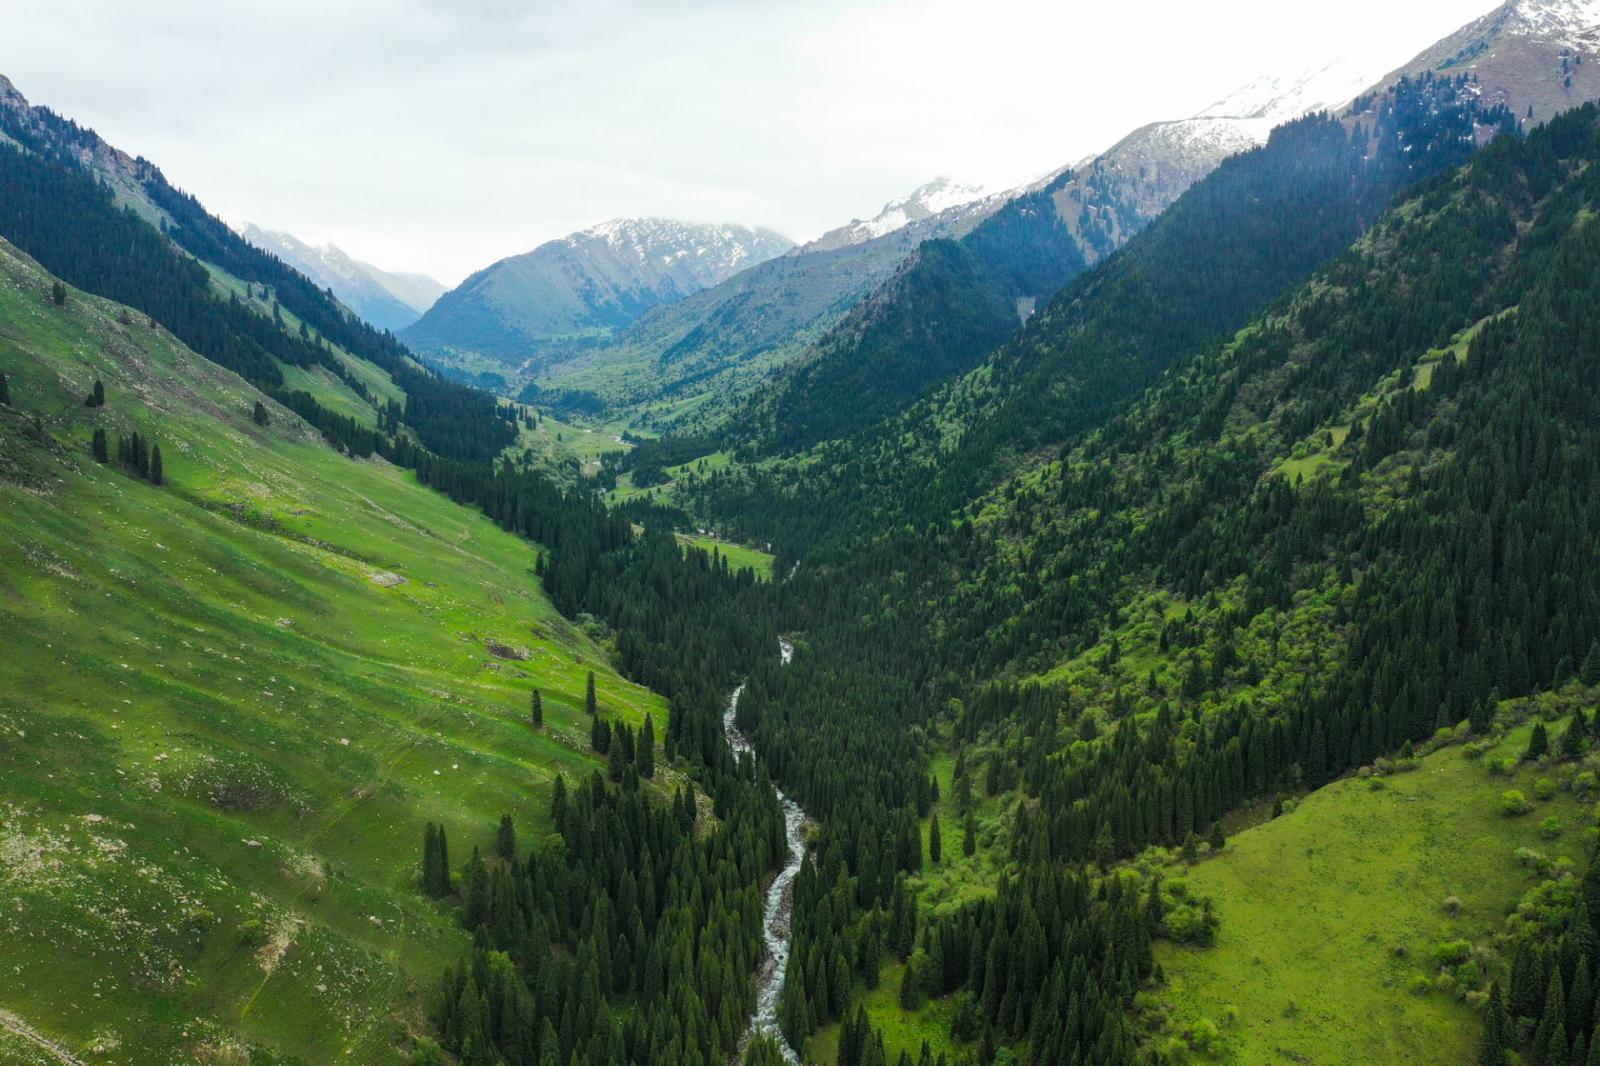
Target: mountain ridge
(384,298)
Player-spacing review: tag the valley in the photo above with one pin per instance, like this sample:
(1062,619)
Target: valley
(1144,616)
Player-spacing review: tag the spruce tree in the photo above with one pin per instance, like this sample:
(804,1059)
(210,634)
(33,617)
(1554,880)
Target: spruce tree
(1538,743)
(1492,1040)
(505,841)
(259,415)
(1573,736)
(1588,673)
(969,837)
(155,464)
(5,398)
(646,759)
(934,844)
(97,395)
(590,704)
(1217,839)
(98,446)
(538,710)
(441,871)
(430,860)
(58,294)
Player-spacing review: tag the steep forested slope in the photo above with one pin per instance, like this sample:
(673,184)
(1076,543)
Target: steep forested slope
(1358,520)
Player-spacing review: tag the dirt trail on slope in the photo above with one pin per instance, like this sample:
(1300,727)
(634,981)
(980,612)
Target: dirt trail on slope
(14,1023)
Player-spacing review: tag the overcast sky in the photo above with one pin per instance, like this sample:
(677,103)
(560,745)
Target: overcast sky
(439,136)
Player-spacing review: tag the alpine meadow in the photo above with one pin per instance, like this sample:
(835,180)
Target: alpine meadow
(1142,612)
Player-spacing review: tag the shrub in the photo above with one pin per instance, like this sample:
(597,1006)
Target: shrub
(1202,1035)
(1513,802)
(1544,788)
(1452,905)
(1550,828)
(1451,952)
(1420,984)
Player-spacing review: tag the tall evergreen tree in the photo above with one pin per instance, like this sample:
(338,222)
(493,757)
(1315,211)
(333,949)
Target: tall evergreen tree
(969,836)
(98,446)
(1538,743)
(537,712)
(505,842)
(155,464)
(5,398)
(590,703)
(1589,673)
(934,846)
(1492,1040)
(645,760)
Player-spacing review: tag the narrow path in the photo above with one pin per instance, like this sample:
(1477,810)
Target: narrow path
(13,1023)
(780,895)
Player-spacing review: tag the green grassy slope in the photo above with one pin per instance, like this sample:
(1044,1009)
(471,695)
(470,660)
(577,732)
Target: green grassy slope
(1331,912)
(223,726)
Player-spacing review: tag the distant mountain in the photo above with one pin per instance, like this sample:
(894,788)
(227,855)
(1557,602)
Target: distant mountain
(942,202)
(387,300)
(955,301)
(720,344)
(582,288)
(1538,57)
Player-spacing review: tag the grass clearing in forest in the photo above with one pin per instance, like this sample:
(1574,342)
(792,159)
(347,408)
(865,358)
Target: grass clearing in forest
(1331,912)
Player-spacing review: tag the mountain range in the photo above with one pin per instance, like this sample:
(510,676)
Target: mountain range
(387,300)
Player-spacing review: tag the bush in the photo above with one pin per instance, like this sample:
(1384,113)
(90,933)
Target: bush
(1550,828)
(1513,802)
(1451,952)
(1544,788)
(251,933)
(1452,905)
(1420,985)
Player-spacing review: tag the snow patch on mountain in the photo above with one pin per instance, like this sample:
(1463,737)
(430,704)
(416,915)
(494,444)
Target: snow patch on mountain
(943,201)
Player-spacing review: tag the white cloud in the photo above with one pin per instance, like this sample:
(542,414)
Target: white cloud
(439,135)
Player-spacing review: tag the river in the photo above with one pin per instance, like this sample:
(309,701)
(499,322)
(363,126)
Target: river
(780,896)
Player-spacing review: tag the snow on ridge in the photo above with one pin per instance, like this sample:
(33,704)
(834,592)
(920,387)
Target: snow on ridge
(1563,20)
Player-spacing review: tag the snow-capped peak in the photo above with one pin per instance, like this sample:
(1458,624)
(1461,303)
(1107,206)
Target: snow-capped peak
(941,196)
(1281,98)
(1568,21)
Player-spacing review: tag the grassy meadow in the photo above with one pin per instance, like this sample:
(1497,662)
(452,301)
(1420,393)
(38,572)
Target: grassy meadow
(1332,915)
(229,704)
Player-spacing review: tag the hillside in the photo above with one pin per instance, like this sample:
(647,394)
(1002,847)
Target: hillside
(1536,57)
(232,702)
(1243,580)
(1445,877)
(955,301)
(387,300)
(580,289)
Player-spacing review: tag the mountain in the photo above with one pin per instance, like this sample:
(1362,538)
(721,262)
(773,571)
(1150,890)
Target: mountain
(387,300)
(941,197)
(691,363)
(1538,57)
(582,288)
(953,302)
